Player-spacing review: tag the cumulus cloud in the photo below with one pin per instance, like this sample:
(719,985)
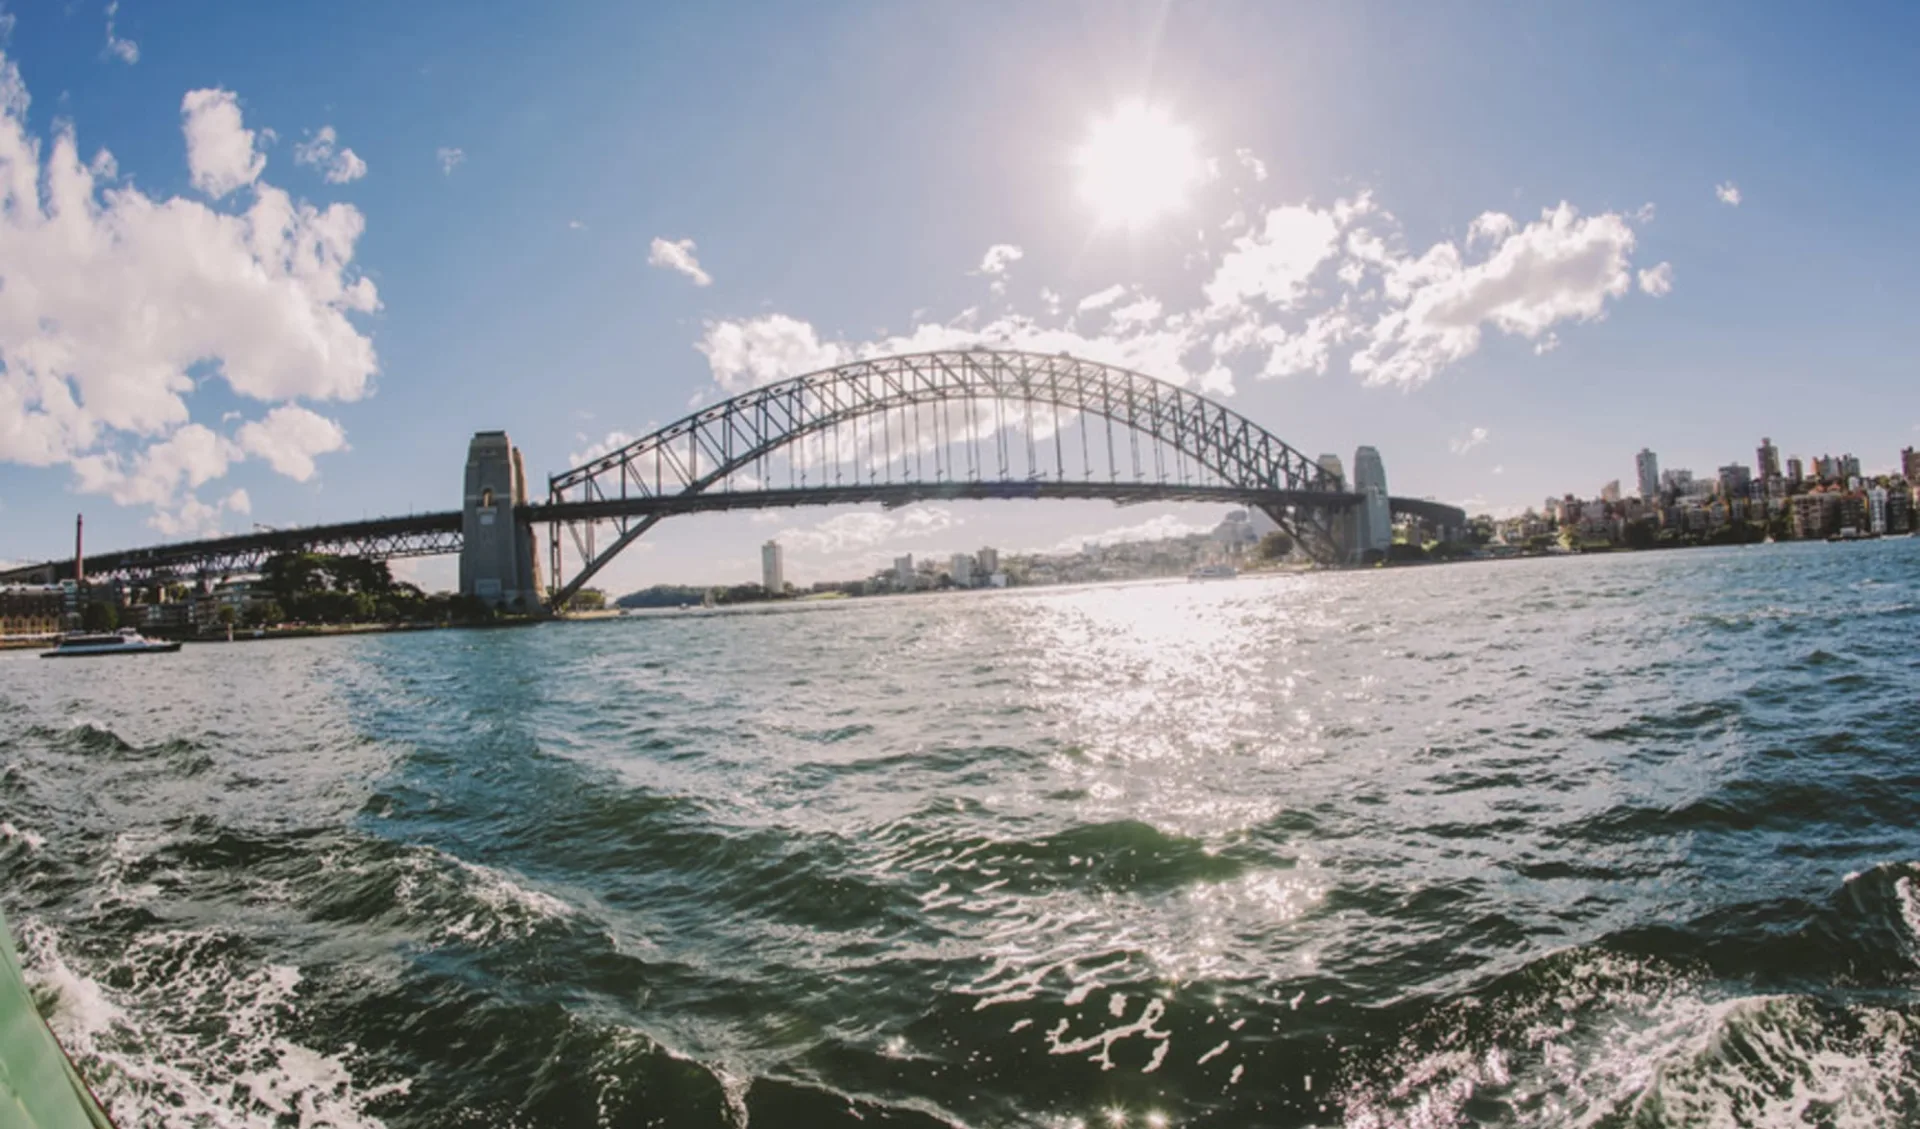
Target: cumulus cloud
(220,153)
(1153,529)
(1251,163)
(338,164)
(864,529)
(261,298)
(1562,267)
(1474,438)
(999,257)
(450,158)
(1276,261)
(1728,193)
(678,255)
(1303,287)
(126,50)
(746,354)
(290,437)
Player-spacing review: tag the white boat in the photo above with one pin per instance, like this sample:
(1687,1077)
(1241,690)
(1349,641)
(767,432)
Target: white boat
(126,641)
(1214,572)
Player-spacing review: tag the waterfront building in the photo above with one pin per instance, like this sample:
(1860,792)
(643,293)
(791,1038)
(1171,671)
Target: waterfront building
(903,571)
(773,568)
(1796,472)
(1610,492)
(1877,509)
(1910,465)
(1734,480)
(32,609)
(1646,467)
(961,569)
(1813,514)
(988,560)
(1900,510)
(1678,482)
(1331,464)
(1766,462)
(1853,513)
(1849,467)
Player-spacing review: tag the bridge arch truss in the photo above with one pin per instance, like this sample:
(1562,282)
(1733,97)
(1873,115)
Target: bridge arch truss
(973,423)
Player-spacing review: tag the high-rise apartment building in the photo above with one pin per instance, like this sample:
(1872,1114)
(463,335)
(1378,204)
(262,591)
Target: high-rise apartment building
(773,568)
(989,560)
(961,569)
(1910,465)
(1734,480)
(1646,466)
(1766,460)
(1611,491)
(903,571)
(1796,471)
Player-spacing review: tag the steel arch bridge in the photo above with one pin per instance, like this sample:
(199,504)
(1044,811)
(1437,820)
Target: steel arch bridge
(956,424)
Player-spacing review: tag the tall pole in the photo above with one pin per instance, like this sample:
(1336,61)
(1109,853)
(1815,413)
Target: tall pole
(79,549)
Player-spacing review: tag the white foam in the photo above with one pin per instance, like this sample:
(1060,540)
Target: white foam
(31,840)
(149,1053)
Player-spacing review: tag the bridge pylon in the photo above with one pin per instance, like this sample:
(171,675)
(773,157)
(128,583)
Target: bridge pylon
(498,563)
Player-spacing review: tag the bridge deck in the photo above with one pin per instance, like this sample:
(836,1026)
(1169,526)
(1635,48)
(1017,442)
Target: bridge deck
(433,534)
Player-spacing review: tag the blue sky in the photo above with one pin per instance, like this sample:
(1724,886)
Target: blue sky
(842,171)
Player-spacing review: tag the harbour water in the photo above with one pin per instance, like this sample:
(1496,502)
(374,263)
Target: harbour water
(1595,841)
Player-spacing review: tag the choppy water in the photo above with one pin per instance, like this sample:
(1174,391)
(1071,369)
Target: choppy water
(1621,841)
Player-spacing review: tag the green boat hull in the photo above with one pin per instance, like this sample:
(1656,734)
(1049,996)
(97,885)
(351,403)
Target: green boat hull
(39,1088)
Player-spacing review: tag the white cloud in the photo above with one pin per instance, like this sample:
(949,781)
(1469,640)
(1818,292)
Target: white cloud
(1136,313)
(678,255)
(449,158)
(1276,262)
(1562,267)
(864,529)
(1728,193)
(237,502)
(1153,529)
(262,299)
(289,438)
(999,257)
(220,153)
(1657,280)
(1251,163)
(126,50)
(746,354)
(576,225)
(1307,286)
(1490,227)
(338,165)
(612,441)
(1474,438)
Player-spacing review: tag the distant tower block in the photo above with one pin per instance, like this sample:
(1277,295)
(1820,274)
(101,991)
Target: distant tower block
(497,560)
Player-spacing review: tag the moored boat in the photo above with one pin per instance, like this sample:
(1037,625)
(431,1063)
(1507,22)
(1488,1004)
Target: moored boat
(1214,572)
(126,641)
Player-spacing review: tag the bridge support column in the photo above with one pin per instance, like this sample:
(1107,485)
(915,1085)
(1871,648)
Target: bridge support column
(498,562)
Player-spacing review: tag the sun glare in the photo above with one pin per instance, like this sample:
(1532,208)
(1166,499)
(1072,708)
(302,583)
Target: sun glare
(1136,165)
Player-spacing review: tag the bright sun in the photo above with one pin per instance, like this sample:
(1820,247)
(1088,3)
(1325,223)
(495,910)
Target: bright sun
(1136,165)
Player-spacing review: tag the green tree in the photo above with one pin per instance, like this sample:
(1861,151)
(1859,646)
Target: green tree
(1274,546)
(227,615)
(98,615)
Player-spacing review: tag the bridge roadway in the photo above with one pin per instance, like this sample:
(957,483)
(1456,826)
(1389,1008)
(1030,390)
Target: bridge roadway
(439,534)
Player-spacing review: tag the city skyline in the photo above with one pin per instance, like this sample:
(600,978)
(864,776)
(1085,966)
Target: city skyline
(581,246)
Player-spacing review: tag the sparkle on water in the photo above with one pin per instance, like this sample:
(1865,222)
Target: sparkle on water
(1627,840)
(1136,165)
